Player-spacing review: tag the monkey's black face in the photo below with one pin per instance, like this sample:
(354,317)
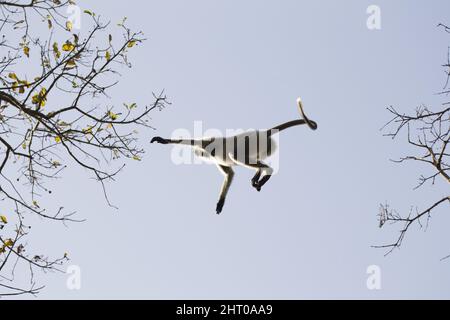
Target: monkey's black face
(159,140)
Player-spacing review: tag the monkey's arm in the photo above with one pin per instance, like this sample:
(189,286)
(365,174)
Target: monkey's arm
(229,175)
(202,143)
(161,140)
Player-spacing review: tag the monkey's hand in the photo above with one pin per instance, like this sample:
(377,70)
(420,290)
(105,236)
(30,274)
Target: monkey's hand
(159,140)
(220,206)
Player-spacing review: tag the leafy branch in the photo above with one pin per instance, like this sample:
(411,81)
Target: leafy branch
(52,116)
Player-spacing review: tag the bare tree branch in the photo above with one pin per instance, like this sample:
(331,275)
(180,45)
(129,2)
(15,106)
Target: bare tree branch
(428,132)
(57,117)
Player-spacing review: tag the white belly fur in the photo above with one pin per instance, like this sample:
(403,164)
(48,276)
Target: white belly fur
(253,149)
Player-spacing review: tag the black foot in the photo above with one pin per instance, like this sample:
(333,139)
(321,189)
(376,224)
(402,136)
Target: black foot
(220,206)
(262,182)
(256,185)
(259,184)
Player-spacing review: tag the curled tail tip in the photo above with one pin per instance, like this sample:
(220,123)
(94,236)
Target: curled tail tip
(311,124)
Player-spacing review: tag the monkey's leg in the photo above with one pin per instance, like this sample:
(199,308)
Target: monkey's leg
(229,175)
(266,172)
(256,178)
(261,168)
(264,180)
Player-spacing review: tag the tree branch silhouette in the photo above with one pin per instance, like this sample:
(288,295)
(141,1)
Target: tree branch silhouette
(49,118)
(428,132)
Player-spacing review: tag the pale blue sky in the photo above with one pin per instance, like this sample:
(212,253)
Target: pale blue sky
(242,64)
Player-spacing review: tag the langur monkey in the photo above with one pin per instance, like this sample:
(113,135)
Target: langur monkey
(248,150)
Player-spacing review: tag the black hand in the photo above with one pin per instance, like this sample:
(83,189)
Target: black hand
(159,140)
(220,206)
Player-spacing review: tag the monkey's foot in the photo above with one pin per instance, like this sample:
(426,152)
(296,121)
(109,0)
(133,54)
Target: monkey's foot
(262,182)
(256,185)
(159,140)
(220,206)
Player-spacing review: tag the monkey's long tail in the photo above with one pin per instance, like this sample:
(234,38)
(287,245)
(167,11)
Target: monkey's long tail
(312,124)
